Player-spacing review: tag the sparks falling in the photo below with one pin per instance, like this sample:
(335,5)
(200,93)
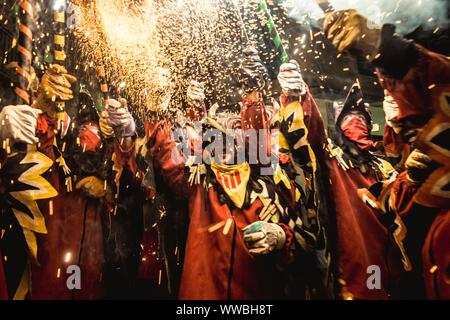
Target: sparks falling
(138,40)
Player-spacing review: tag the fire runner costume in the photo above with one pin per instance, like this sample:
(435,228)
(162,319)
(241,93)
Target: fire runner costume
(22,185)
(300,118)
(418,81)
(363,239)
(242,223)
(344,178)
(45,229)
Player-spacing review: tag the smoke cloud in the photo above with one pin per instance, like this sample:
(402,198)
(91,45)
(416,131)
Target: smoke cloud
(407,15)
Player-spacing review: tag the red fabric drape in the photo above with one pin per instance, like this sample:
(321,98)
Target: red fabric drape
(362,240)
(436,258)
(355,129)
(70,232)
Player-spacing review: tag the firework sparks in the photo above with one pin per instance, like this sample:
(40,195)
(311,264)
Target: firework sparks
(136,40)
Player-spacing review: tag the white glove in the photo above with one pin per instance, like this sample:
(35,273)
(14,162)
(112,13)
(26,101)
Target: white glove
(162,90)
(390,108)
(291,80)
(119,118)
(196,91)
(18,124)
(264,237)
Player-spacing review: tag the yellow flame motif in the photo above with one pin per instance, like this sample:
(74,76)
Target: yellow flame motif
(40,189)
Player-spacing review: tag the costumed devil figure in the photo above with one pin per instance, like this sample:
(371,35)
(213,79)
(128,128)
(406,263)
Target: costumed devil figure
(245,227)
(47,227)
(362,238)
(418,82)
(301,148)
(145,227)
(206,202)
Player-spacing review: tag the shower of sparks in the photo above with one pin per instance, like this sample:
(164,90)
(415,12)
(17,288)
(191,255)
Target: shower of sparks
(136,40)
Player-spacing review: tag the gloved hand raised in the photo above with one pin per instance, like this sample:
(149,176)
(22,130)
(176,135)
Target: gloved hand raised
(95,188)
(55,86)
(196,92)
(252,71)
(418,167)
(18,124)
(349,30)
(291,80)
(105,127)
(264,237)
(119,118)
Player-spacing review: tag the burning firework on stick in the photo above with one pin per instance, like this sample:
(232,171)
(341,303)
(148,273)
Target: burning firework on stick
(276,38)
(101,74)
(59,40)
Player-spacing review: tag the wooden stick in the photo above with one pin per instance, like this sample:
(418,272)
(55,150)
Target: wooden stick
(25,49)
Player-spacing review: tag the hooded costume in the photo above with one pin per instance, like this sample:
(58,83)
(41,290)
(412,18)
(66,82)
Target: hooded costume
(217,263)
(362,238)
(418,81)
(64,227)
(74,223)
(223,200)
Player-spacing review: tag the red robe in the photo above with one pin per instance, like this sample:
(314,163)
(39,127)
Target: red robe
(216,266)
(73,213)
(316,128)
(414,94)
(361,239)
(436,258)
(392,142)
(419,96)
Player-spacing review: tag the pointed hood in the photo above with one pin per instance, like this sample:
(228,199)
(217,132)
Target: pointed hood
(353,102)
